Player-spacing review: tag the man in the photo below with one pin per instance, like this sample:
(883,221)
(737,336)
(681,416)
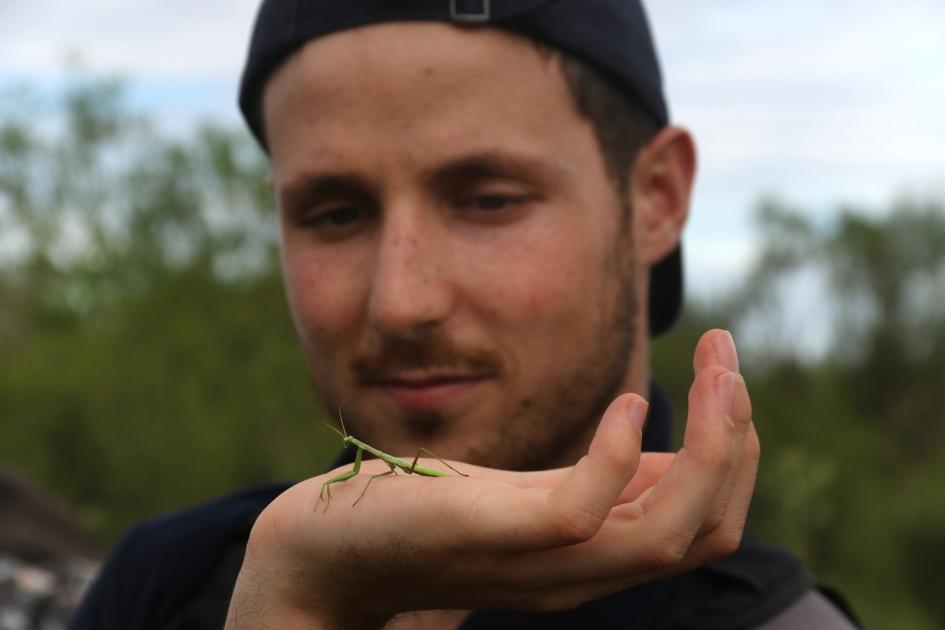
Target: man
(480,208)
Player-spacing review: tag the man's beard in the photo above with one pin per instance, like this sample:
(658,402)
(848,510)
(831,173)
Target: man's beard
(542,429)
(544,432)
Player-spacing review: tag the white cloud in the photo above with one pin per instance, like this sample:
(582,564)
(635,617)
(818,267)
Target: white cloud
(141,38)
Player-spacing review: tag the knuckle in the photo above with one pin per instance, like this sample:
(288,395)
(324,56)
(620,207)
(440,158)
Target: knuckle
(753,447)
(731,542)
(577,524)
(726,541)
(615,461)
(665,554)
(713,519)
(742,412)
(715,459)
(704,384)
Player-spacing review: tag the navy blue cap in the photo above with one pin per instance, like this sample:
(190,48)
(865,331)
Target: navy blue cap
(612,35)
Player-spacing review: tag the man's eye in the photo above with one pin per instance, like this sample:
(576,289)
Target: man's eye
(491,203)
(343,216)
(336,218)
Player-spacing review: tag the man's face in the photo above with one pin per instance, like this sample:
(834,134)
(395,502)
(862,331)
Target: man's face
(458,264)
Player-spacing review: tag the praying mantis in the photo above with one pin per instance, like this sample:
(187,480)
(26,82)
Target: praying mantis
(393,462)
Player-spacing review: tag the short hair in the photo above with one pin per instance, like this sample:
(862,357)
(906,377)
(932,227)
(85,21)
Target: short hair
(622,127)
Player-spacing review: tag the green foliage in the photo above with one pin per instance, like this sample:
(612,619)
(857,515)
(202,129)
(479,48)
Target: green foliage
(149,360)
(852,435)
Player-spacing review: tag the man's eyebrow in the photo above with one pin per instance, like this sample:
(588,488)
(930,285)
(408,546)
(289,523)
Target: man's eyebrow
(306,187)
(495,164)
(487,164)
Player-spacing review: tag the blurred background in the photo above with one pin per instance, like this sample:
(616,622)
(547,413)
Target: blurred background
(147,360)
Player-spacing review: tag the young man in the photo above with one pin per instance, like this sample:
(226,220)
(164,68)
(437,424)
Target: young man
(480,208)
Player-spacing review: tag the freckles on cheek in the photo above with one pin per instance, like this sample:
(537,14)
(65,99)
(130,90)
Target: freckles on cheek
(326,305)
(516,299)
(302,293)
(532,292)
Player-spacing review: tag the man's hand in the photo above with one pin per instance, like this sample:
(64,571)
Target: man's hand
(498,539)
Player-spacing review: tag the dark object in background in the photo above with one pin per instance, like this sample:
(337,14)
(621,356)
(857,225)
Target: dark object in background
(46,559)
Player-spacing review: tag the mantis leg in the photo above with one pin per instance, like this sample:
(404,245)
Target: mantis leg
(421,451)
(326,487)
(392,471)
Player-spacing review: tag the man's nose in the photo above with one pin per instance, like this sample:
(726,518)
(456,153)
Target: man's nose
(410,287)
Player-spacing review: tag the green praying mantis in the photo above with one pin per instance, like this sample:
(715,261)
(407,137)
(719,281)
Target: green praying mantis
(411,468)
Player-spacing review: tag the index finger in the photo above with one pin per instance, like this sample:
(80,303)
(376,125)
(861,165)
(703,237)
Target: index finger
(525,519)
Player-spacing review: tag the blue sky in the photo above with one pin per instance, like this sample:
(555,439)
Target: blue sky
(819,103)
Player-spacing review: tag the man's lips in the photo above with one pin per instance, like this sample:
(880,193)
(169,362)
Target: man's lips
(427,392)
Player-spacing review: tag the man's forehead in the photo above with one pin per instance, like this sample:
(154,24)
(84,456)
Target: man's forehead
(612,35)
(435,93)
(431,49)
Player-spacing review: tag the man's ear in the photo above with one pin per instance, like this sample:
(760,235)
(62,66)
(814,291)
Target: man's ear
(660,188)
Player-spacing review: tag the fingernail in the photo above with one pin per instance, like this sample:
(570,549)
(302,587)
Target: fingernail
(725,352)
(725,392)
(636,413)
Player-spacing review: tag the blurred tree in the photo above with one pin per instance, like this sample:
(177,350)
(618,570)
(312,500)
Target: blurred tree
(149,359)
(851,429)
(883,303)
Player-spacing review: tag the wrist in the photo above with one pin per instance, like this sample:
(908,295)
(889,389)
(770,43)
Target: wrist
(274,589)
(264,599)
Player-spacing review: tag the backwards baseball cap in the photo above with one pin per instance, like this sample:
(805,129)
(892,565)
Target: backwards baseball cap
(612,35)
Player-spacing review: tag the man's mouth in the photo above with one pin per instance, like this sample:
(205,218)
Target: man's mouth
(427,391)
